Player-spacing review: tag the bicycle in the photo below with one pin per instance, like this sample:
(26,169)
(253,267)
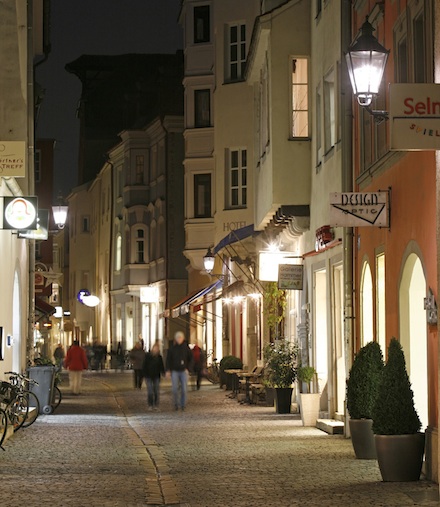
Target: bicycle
(213,371)
(22,405)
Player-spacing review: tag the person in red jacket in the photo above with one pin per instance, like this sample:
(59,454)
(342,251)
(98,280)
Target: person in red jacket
(76,362)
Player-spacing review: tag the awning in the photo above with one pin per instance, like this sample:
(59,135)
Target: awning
(182,307)
(234,236)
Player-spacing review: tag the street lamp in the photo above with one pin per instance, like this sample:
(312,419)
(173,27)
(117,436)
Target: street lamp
(366,59)
(208,261)
(60,214)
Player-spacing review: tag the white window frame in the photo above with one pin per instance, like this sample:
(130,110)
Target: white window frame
(299,104)
(329,110)
(242,174)
(240,45)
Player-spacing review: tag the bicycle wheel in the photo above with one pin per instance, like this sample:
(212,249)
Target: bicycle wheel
(3,427)
(33,408)
(17,411)
(57,398)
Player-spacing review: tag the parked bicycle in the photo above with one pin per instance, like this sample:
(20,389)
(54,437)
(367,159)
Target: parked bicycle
(213,370)
(21,405)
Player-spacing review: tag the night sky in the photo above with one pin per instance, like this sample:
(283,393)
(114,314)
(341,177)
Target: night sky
(106,27)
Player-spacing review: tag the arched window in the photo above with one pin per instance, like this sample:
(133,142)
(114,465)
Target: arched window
(367,325)
(118,259)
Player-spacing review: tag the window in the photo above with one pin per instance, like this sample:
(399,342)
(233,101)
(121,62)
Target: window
(264,109)
(202,108)
(318,126)
(120,181)
(366,305)
(201,24)
(236,56)
(237,175)
(140,246)
(380,301)
(202,195)
(329,111)
(118,260)
(85,223)
(300,112)
(139,169)
(37,166)
(419,48)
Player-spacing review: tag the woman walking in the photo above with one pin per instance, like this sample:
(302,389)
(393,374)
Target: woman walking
(153,370)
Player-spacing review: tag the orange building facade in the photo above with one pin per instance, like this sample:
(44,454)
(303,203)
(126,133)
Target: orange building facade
(395,268)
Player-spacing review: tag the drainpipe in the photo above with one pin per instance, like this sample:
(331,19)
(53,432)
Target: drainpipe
(347,186)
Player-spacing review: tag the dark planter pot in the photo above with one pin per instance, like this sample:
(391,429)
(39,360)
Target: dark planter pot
(227,379)
(270,396)
(362,438)
(400,457)
(283,397)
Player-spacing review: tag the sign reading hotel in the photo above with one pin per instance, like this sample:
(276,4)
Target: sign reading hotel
(12,159)
(358,209)
(290,276)
(415,116)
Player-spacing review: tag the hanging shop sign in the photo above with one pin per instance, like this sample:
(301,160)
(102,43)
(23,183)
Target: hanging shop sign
(415,116)
(290,276)
(42,230)
(358,209)
(149,294)
(268,264)
(13,159)
(20,213)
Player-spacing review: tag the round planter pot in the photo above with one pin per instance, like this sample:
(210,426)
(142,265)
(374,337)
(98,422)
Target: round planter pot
(309,403)
(283,399)
(362,438)
(400,457)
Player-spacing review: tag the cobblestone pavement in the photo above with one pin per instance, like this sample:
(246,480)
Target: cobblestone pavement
(104,448)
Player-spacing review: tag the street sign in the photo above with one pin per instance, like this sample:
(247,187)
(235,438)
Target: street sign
(359,209)
(290,276)
(415,116)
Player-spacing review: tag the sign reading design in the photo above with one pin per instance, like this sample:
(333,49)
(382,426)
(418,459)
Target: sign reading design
(357,209)
(415,116)
(12,159)
(20,213)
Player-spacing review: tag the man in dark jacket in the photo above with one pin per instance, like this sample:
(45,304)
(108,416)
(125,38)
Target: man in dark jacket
(179,362)
(153,370)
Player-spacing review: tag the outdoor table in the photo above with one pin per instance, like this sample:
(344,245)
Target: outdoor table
(235,381)
(247,376)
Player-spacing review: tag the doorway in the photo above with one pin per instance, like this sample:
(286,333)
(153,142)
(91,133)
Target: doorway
(321,340)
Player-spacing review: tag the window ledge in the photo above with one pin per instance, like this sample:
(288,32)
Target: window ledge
(299,139)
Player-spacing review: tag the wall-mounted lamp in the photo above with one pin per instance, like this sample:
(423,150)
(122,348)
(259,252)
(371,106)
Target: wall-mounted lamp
(208,261)
(60,213)
(366,60)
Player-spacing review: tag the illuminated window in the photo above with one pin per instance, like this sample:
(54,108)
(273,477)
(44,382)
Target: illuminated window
(118,262)
(300,103)
(380,301)
(366,305)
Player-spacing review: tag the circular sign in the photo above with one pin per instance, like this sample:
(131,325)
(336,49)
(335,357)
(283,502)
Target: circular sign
(20,213)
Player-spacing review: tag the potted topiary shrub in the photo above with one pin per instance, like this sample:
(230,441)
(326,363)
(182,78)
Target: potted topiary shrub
(229,363)
(280,369)
(399,442)
(362,391)
(308,401)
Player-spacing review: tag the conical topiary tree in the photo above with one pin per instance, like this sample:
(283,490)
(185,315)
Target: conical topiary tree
(363,381)
(394,412)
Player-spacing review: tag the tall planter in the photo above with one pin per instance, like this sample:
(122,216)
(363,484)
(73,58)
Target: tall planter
(309,406)
(283,399)
(362,438)
(400,457)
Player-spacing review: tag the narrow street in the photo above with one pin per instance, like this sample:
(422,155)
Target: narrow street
(104,448)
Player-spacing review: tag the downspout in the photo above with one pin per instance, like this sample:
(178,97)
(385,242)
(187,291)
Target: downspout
(347,186)
(110,253)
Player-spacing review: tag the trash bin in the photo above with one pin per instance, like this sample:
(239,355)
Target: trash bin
(44,391)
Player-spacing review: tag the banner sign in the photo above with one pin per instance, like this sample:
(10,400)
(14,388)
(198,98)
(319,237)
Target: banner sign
(415,116)
(356,209)
(13,159)
(290,276)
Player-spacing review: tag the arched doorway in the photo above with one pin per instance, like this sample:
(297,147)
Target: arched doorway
(413,331)
(366,301)
(16,325)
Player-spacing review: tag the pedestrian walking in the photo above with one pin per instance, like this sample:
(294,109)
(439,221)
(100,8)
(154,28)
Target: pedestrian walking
(59,356)
(179,362)
(153,370)
(76,362)
(198,364)
(137,357)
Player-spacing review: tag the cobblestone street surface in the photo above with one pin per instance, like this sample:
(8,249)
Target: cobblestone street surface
(104,448)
